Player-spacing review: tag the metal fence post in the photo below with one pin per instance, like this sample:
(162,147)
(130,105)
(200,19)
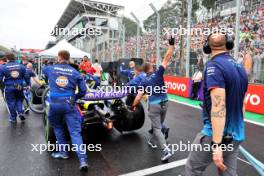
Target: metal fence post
(158,58)
(138,31)
(188,49)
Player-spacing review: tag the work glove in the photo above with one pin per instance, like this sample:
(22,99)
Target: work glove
(172,40)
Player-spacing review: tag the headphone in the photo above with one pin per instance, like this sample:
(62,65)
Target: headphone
(229,44)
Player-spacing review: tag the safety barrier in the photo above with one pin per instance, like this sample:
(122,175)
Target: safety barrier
(182,86)
(259,166)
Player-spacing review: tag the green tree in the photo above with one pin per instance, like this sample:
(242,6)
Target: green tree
(208,4)
(170,14)
(195,7)
(131,27)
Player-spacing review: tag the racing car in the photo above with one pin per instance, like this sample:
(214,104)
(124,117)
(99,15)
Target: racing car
(110,110)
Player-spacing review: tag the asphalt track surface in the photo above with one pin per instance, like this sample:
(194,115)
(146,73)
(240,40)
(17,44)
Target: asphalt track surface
(121,153)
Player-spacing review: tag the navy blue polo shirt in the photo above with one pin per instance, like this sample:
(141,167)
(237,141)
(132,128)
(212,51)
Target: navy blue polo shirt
(222,71)
(154,85)
(137,80)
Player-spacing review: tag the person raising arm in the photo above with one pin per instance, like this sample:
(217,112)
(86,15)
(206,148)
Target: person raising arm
(158,102)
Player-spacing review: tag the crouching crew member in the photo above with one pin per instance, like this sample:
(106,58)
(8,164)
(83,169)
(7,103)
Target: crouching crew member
(158,101)
(12,75)
(63,80)
(225,86)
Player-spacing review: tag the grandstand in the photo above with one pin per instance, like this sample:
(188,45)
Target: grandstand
(103,18)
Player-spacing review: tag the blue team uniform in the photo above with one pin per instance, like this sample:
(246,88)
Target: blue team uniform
(89,77)
(63,79)
(130,72)
(222,71)
(133,84)
(12,75)
(156,79)
(137,79)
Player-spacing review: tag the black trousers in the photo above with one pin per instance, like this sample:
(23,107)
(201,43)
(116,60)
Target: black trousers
(195,89)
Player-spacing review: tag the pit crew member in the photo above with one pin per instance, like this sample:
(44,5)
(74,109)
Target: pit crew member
(158,101)
(225,85)
(12,75)
(63,80)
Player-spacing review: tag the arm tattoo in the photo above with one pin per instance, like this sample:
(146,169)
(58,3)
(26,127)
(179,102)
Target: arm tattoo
(219,110)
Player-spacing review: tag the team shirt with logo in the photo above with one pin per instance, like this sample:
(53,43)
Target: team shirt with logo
(222,71)
(63,80)
(12,73)
(155,86)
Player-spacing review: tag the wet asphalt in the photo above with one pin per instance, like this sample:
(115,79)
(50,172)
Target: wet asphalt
(120,154)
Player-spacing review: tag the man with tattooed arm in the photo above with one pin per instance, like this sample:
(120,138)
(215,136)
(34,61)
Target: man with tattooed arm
(225,85)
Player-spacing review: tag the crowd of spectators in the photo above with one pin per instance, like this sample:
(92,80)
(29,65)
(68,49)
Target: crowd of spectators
(251,49)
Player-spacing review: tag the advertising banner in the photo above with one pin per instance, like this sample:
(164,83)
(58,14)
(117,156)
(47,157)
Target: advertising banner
(182,86)
(255,99)
(177,85)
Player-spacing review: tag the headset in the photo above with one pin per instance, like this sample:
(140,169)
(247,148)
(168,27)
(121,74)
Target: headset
(229,44)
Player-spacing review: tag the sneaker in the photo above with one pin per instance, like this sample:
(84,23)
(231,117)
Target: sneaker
(26,111)
(22,117)
(150,131)
(152,145)
(12,121)
(83,165)
(165,156)
(60,155)
(165,132)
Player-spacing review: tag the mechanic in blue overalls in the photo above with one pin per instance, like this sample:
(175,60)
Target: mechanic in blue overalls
(12,75)
(63,80)
(130,72)
(158,100)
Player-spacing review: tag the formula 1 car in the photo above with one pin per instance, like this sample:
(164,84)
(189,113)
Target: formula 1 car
(111,110)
